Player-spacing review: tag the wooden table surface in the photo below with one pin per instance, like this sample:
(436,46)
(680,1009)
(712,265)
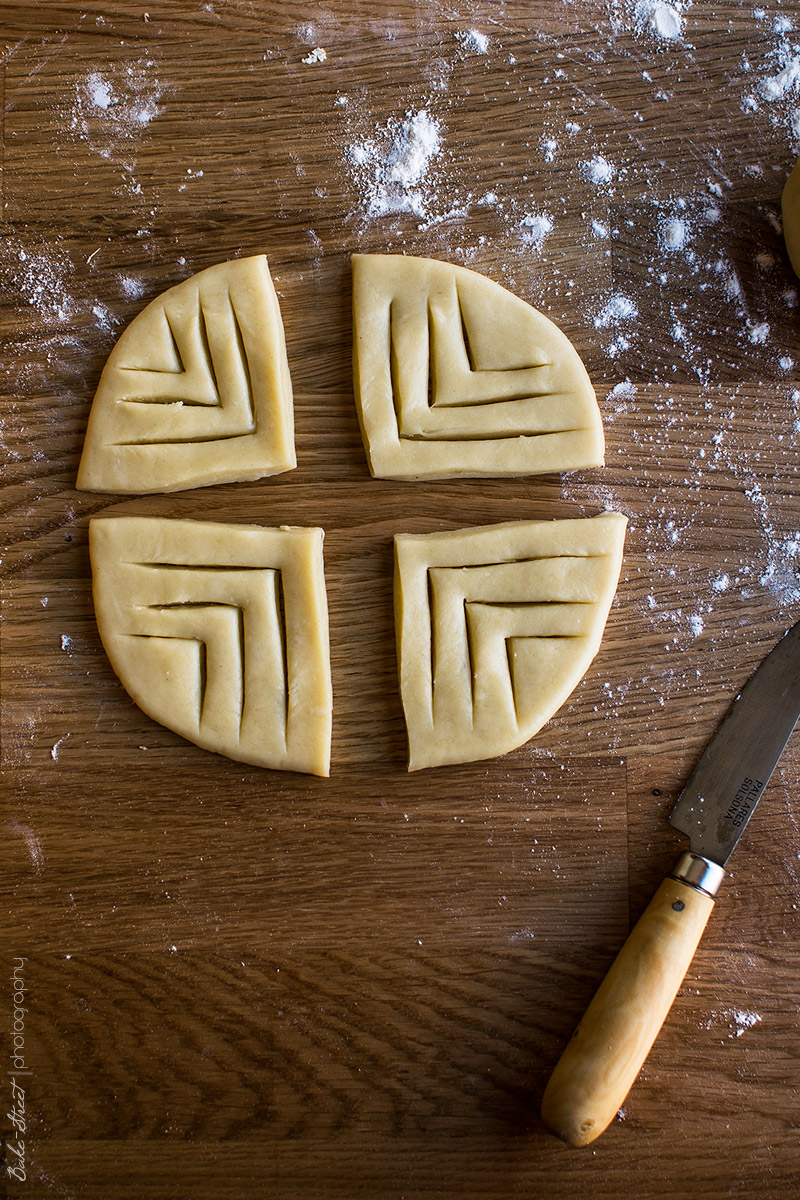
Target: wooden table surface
(244,983)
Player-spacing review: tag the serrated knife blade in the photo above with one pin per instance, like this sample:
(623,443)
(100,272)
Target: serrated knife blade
(598,1067)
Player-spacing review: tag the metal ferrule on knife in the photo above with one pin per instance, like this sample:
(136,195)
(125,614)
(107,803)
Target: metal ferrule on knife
(699,873)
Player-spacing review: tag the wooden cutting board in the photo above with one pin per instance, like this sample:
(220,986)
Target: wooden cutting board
(244,983)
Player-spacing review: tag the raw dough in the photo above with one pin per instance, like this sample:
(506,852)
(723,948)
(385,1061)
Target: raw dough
(790,210)
(197,389)
(496,626)
(454,375)
(220,632)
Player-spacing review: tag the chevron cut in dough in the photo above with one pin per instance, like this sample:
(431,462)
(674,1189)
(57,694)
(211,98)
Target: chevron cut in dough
(197,389)
(454,375)
(496,626)
(220,632)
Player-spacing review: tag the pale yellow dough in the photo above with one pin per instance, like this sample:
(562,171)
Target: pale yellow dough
(220,632)
(790,212)
(496,625)
(197,390)
(456,376)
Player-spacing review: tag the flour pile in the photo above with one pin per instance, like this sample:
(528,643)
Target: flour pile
(391,168)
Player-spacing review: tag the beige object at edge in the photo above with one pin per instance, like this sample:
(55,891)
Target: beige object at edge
(220,633)
(614,1037)
(790,212)
(496,625)
(456,376)
(196,390)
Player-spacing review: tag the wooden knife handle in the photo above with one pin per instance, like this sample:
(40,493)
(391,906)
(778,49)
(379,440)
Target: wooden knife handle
(596,1071)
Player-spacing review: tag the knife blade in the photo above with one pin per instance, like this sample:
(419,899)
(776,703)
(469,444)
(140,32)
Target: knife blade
(606,1052)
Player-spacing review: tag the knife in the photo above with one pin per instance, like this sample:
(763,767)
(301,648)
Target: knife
(600,1063)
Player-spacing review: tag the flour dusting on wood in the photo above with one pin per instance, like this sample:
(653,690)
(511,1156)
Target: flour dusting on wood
(392,167)
(113,106)
(646,260)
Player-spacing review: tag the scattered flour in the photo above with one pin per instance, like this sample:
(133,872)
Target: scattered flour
(621,395)
(772,83)
(33,844)
(54,751)
(599,170)
(132,288)
(399,166)
(617,308)
(41,276)
(391,167)
(775,87)
(781,574)
(674,233)
(696,624)
(112,108)
(657,17)
(549,148)
(473,40)
(738,1020)
(535,227)
(98,91)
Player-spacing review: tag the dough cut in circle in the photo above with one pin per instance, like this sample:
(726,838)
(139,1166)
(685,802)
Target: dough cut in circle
(496,626)
(196,390)
(220,633)
(456,376)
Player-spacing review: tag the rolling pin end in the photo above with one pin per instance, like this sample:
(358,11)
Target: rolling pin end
(561,1119)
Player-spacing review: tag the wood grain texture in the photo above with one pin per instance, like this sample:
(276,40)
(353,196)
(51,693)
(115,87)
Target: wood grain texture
(245,983)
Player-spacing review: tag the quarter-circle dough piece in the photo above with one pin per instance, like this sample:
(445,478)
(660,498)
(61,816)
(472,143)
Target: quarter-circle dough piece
(196,390)
(496,626)
(790,213)
(456,376)
(220,633)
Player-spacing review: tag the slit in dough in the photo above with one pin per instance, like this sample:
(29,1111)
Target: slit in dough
(496,626)
(220,633)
